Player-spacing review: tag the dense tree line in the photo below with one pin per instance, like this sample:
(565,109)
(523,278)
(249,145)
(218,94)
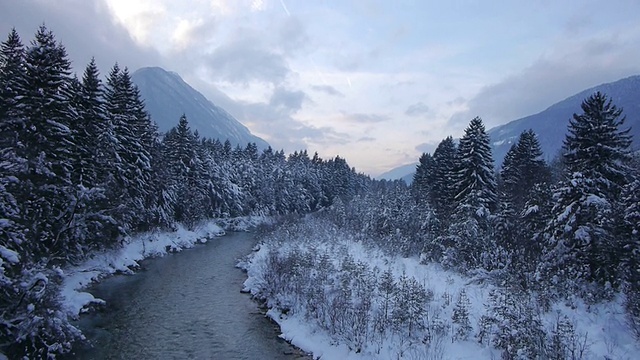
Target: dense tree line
(561,233)
(537,233)
(572,235)
(82,165)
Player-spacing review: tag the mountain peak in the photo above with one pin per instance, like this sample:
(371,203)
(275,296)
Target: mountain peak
(167,96)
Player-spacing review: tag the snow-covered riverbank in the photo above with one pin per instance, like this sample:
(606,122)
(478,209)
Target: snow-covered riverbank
(134,249)
(125,260)
(327,292)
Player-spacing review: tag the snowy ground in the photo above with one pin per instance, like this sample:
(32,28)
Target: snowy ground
(125,259)
(602,327)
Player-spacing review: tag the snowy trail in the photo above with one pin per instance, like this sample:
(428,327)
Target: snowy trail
(186,306)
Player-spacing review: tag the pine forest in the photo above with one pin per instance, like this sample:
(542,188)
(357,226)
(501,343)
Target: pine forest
(83,168)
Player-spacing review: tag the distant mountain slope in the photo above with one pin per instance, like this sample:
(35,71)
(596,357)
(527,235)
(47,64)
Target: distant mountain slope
(551,124)
(399,173)
(167,97)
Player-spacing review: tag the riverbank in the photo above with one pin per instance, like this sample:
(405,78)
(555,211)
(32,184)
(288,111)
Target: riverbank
(339,297)
(187,305)
(126,259)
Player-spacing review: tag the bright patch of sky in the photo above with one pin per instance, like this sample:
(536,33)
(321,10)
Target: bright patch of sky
(376,82)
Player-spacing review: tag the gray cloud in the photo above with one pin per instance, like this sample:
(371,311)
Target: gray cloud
(366,139)
(292,35)
(327,89)
(280,128)
(457,101)
(417,109)
(552,79)
(246,60)
(254,56)
(404,83)
(365,118)
(291,100)
(101,37)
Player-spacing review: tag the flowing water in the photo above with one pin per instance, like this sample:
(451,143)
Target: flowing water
(183,306)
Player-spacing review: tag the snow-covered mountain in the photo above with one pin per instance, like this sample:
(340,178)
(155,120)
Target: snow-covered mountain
(398,173)
(167,97)
(551,124)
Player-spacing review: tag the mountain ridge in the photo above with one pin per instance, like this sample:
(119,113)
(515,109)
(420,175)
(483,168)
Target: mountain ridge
(551,124)
(167,96)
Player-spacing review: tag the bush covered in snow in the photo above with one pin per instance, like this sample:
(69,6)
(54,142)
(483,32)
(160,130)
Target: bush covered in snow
(340,297)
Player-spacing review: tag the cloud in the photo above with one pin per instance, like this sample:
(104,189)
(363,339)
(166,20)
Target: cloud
(275,123)
(290,100)
(252,55)
(366,139)
(327,89)
(101,36)
(365,118)
(292,36)
(417,109)
(571,67)
(189,33)
(246,60)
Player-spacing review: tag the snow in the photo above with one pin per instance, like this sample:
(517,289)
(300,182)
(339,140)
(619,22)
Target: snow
(126,258)
(9,255)
(594,200)
(603,326)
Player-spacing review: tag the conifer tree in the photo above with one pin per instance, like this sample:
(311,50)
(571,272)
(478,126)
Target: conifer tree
(133,137)
(90,118)
(12,90)
(47,196)
(423,178)
(12,131)
(630,260)
(444,181)
(524,176)
(475,200)
(460,317)
(475,180)
(523,167)
(581,246)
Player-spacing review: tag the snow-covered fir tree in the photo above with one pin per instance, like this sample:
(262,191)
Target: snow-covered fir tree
(475,200)
(581,246)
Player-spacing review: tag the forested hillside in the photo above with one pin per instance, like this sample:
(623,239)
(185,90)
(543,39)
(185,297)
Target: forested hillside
(549,252)
(82,167)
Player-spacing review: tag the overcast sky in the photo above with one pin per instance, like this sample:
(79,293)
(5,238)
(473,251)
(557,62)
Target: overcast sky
(376,82)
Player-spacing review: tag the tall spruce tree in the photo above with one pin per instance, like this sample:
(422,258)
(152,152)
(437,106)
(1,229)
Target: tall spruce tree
(186,172)
(464,244)
(47,196)
(475,180)
(475,199)
(422,184)
(12,90)
(524,176)
(444,183)
(523,167)
(130,148)
(91,115)
(581,246)
(12,128)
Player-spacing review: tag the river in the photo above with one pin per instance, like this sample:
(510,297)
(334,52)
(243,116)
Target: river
(183,306)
